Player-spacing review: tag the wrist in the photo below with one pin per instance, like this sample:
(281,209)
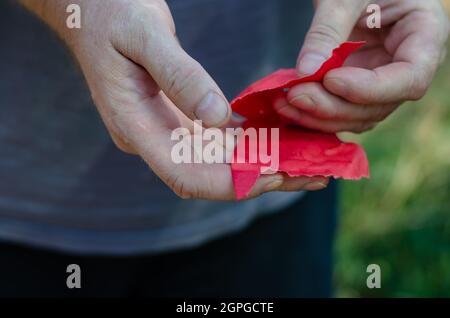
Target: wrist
(53,13)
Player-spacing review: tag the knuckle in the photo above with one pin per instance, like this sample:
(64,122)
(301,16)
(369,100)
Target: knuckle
(181,78)
(134,21)
(123,146)
(160,13)
(142,14)
(143,22)
(325,33)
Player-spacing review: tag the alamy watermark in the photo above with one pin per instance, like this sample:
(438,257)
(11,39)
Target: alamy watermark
(73,280)
(73,20)
(373,21)
(214,145)
(374,279)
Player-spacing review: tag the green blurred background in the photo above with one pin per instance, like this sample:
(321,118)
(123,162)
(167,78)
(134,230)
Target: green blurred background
(400,218)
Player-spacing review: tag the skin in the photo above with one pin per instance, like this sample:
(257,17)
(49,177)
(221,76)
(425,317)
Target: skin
(397,64)
(145,85)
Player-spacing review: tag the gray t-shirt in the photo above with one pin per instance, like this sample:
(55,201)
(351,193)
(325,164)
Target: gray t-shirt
(64,185)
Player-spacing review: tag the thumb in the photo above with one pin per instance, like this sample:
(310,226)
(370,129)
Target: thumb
(333,22)
(188,85)
(182,79)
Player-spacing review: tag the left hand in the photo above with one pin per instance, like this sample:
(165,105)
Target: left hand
(397,64)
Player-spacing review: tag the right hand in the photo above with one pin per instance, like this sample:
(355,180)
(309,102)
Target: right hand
(145,86)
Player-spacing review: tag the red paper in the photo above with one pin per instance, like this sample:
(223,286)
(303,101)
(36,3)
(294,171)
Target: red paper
(302,152)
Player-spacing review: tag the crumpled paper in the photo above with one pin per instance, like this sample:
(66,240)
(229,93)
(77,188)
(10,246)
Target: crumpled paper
(301,152)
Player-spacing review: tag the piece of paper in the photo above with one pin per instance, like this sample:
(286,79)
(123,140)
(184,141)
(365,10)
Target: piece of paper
(301,152)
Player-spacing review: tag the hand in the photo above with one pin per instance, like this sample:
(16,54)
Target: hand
(397,64)
(145,86)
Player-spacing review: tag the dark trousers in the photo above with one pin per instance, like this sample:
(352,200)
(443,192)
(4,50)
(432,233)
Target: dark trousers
(287,254)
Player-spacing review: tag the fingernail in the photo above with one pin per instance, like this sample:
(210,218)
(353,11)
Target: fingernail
(212,110)
(337,86)
(310,63)
(303,101)
(315,185)
(274,184)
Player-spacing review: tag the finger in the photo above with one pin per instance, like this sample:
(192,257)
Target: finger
(314,99)
(369,58)
(416,43)
(207,187)
(293,184)
(149,131)
(306,120)
(188,180)
(332,25)
(266,183)
(182,79)
(392,83)
(142,123)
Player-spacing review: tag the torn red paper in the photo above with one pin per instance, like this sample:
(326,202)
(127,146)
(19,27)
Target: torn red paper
(302,152)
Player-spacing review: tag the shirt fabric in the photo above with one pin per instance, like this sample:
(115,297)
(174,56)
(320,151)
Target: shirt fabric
(63,183)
